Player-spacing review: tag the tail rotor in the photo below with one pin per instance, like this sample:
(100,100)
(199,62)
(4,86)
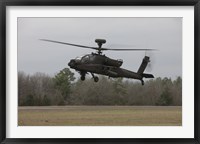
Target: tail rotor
(151,63)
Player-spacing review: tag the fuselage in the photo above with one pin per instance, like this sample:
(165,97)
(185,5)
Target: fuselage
(97,59)
(100,64)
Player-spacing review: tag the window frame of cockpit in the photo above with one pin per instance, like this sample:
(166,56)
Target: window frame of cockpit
(83,59)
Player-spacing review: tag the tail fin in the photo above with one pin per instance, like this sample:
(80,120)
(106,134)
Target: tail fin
(143,65)
(142,68)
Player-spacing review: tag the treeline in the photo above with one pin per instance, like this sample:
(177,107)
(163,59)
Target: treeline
(40,89)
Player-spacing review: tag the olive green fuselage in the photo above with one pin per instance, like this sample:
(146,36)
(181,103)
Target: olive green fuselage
(100,64)
(108,71)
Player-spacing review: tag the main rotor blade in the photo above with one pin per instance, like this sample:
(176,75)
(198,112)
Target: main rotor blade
(96,48)
(129,49)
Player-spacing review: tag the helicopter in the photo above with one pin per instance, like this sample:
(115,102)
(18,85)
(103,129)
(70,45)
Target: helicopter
(97,63)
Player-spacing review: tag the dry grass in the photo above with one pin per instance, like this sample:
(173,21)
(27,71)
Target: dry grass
(100,116)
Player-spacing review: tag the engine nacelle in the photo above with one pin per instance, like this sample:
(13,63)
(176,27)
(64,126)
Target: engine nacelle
(112,73)
(112,62)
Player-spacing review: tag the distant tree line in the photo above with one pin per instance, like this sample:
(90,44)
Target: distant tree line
(42,90)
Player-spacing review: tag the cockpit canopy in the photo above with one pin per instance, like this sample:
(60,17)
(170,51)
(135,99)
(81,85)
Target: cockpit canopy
(83,58)
(79,57)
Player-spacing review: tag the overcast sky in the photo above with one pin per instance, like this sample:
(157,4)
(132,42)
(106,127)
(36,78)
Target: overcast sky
(163,34)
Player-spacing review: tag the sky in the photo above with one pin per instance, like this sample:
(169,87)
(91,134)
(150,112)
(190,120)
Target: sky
(163,34)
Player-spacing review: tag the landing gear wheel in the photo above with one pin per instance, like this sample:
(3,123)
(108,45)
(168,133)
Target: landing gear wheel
(82,78)
(82,75)
(142,82)
(96,79)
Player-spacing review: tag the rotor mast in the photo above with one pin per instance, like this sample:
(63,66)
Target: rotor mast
(100,42)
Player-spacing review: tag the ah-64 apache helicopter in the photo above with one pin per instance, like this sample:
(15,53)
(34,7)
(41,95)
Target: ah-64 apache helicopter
(101,64)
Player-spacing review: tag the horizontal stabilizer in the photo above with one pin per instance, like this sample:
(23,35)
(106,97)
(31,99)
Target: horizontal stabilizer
(147,75)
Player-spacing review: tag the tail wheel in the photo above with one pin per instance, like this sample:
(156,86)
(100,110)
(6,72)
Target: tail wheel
(96,79)
(142,82)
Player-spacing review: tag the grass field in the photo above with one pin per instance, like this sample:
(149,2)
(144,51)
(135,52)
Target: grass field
(100,116)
